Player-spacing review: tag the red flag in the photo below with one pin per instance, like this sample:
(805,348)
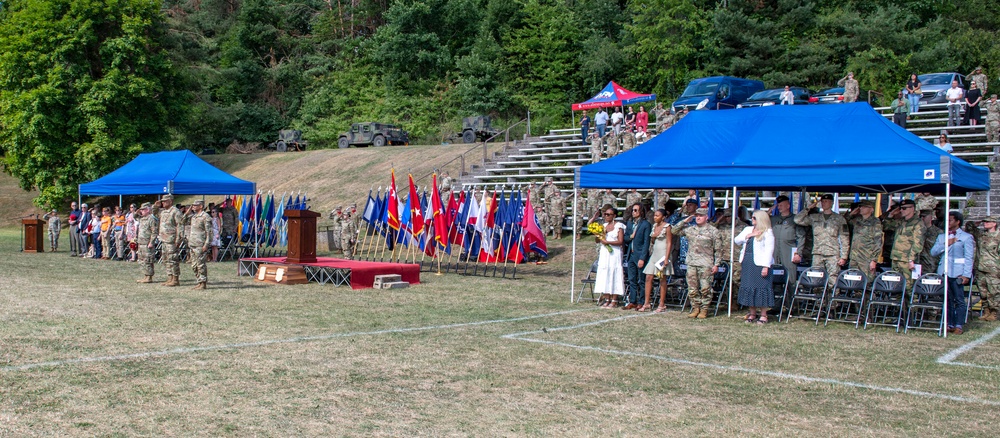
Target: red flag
(532,235)
(455,205)
(491,211)
(393,215)
(440,219)
(416,216)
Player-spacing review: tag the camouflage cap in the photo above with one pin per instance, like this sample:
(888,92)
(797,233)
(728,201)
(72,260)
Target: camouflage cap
(979,68)
(199,202)
(701,212)
(167,197)
(990,218)
(726,212)
(993,96)
(866,203)
(925,213)
(548,179)
(146,205)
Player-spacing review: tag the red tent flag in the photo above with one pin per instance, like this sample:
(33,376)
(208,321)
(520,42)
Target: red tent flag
(393,204)
(534,238)
(416,216)
(440,219)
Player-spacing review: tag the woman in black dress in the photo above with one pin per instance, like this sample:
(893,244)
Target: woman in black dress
(756,258)
(972,100)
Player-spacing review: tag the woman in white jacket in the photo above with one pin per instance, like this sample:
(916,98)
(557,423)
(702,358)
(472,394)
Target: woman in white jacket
(756,291)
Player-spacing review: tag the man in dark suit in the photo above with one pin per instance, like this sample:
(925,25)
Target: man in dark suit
(637,230)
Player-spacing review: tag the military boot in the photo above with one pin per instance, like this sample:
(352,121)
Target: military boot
(146,279)
(173,281)
(201,285)
(695,310)
(988,315)
(170,278)
(704,313)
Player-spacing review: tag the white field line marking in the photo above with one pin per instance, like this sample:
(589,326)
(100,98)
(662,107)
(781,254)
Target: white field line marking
(778,374)
(972,365)
(187,350)
(953,354)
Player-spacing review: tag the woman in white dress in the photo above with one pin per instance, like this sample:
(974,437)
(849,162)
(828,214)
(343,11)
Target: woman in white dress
(610,281)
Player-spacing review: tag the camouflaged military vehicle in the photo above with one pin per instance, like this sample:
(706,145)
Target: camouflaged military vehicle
(477,127)
(373,134)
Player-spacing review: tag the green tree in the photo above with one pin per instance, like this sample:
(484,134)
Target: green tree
(85,86)
(666,40)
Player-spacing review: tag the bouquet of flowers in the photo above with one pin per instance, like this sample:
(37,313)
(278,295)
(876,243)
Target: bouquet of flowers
(598,230)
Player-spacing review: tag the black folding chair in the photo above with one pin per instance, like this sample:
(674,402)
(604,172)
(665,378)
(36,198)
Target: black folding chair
(779,282)
(847,298)
(886,301)
(676,290)
(926,308)
(720,281)
(809,295)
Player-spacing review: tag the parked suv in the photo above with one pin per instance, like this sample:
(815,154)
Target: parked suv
(934,86)
(716,92)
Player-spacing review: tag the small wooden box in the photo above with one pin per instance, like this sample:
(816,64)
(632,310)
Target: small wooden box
(281,274)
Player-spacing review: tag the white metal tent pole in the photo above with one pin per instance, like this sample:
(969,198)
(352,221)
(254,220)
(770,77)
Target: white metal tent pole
(119,200)
(947,211)
(732,250)
(572,263)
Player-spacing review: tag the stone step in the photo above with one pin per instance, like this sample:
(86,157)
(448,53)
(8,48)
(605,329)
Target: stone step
(395,285)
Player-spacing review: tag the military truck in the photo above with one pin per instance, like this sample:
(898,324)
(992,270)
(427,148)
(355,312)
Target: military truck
(289,139)
(373,134)
(477,127)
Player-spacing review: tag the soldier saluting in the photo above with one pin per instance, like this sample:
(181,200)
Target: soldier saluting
(831,244)
(148,227)
(199,240)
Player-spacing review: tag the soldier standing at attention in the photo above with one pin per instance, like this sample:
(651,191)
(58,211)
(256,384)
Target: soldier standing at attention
(611,139)
(925,201)
(789,238)
(607,198)
(993,119)
(659,198)
(628,140)
(557,212)
(831,246)
(631,196)
(703,257)
(928,263)
(535,195)
(908,238)
(445,187)
(866,240)
(543,219)
(199,243)
(851,90)
(335,217)
(148,227)
(987,264)
(659,116)
(55,225)
(171,234)
(596,148)
(979,78)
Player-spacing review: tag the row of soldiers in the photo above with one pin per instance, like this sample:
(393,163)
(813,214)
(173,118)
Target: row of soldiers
(164,221)
(613,143)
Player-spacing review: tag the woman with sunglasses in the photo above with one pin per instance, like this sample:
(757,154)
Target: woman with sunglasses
(609,281)
(943,143)
(756,258)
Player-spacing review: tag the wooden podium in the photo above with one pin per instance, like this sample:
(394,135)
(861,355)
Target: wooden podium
(301,236)
(34,236)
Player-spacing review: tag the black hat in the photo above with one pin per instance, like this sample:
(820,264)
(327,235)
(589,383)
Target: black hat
(781,198)
(691,201)
(907,202)
(826,196)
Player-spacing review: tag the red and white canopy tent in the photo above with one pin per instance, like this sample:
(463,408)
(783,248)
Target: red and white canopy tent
(611,96)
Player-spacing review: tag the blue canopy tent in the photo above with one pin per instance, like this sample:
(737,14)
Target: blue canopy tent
(842,148)
(847,148)
(176,172)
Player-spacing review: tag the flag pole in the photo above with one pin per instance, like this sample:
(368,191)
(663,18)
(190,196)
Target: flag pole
(576,226)
(506,256)
(451,226)
(372,229)
(732,252)
(496,261)
(465,235)
(361,244)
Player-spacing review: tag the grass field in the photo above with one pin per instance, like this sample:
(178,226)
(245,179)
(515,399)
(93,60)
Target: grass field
(84,351)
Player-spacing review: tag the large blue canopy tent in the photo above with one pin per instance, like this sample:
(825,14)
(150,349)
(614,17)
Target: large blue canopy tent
(842,148)
(175,172)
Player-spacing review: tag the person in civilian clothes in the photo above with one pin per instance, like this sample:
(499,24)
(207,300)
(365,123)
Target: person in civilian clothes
(961,256)
(637,231)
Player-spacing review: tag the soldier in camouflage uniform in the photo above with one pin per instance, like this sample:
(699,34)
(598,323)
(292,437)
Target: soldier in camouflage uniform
(659,198)
(925,201)
(171,234)
(535,194)
(831,244)
(851,90)
(445,188)
(631,196)
(992,119)
(866,238)
(147,230)
(908,238)
(725,225)
(659,116)
(703,257)
(199,242)
(348,235)
(628,140)
(929,263)
(556,205)
(607,198)
(987,265)
(979,78)
(335,228)
(596,148)
(543,219)
(613,141)
(787,237)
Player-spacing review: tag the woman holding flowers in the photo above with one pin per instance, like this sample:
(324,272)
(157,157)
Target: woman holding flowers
(610,279)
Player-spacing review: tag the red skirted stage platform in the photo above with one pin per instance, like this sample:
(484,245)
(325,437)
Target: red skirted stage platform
(339,272)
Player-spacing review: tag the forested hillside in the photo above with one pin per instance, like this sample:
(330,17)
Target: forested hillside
(87,84)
